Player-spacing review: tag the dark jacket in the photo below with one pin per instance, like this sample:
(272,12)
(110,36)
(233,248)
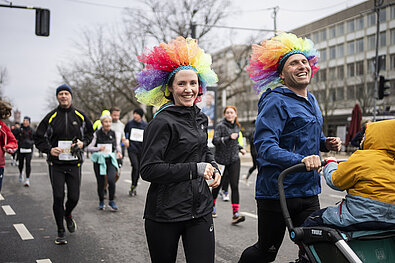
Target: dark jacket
(226,149)
(134,146)
(106,138)
(62,124)
(174,142)
(24,136)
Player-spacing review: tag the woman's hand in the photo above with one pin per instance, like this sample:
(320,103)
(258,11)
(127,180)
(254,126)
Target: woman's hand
(119,155)
(208,172)
(234,136)
(243,152)
(102,148)
(217,180)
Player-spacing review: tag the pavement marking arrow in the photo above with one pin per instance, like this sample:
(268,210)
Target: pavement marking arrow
(23,232)
(1,198)
(43,260)
(249,215)
(8,210)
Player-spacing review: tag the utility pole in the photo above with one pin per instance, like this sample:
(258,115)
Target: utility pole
(275,10)
(377,6)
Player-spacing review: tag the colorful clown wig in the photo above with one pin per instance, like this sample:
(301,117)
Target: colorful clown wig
(164,61)
(268,59)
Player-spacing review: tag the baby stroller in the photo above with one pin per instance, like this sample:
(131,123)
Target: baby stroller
(328,245)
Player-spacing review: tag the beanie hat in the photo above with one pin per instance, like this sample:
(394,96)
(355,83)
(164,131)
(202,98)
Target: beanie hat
(139,112)
(63,87)
(26,118)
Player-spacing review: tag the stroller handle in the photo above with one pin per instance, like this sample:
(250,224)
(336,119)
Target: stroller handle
(300,167)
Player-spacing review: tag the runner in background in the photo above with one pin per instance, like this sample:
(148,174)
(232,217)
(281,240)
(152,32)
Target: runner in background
(25,149)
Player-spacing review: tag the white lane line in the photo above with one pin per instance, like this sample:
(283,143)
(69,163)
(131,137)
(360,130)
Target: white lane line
(23,232)
(249,215)
(127,181)
(336,196)
(47,260)
(1,198)
(8,210)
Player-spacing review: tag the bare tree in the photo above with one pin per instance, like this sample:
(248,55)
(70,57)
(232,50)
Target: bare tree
(3,79)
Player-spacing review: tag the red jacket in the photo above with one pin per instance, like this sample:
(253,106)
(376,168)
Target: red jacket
(7,142)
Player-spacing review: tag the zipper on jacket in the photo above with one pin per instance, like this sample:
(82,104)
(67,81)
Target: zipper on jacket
(66,121)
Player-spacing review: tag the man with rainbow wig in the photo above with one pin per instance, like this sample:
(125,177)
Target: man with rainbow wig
(288,130)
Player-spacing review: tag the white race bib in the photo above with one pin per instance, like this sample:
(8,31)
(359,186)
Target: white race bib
(107,147)
(136,135)
(66,155)
(24,150)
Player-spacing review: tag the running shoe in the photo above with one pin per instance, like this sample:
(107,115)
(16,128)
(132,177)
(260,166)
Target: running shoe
(101,205)
(225,196)
(113,206)
(132,191)
(71,224)
(21,177)
(61,238)
(214,214)
(27,183)
(237,219)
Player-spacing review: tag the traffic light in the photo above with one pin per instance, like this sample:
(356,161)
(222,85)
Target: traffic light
(42,22)
(383,88)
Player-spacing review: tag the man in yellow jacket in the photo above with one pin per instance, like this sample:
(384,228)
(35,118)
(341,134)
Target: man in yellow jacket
(368,176)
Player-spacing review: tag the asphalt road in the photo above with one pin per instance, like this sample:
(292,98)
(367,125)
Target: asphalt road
(28,230)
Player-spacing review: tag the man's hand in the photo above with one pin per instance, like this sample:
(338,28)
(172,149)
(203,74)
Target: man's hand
(234,136)
(119,155)
(333,143)
(126,142)
(55,151)
(243,152)
(312,162)
(79,143)
(208,172)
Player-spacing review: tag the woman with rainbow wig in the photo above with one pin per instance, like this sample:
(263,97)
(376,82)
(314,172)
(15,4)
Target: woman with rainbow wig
(175,158)
(288,130)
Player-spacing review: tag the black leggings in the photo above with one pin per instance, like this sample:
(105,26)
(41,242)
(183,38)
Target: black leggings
(28,158)
(254,165)
(271,226)
(101,180)
(232,172)
(197,238)
(71,176)
(135,162)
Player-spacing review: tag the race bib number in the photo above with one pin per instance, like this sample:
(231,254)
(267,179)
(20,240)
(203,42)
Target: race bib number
(136,135)
(66,155)
(107,147)
(24,150)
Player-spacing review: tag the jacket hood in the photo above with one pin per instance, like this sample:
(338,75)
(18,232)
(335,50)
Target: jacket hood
(380,136)
(179,110)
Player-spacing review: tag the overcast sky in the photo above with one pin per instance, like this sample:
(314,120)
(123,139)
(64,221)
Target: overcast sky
(31,61)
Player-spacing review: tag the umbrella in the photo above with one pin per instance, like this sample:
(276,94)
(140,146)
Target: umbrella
(355,123)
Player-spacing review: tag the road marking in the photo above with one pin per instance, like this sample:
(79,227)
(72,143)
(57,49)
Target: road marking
(127,181)
(336,196)
(1,198)
(23,232)
(249,215)
(8,210)
(43,260)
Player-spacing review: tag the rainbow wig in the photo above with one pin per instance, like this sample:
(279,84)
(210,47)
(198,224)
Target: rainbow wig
(268,59)
(164,61)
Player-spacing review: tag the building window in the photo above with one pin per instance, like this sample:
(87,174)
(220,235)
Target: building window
(359,89)
(392,36)
(340,94)
(359,68)
(371,19)
(315,37)
(323,35)
(340,51)
(350,70)
(392,58)
(332,95)
(323,54)
(359,24)
(371,65)
(322,75)
(371,42)
(382,63)
(340,72)
(340,29)
(332,73)
(332,32)
(332,52)
(359,45)
(350,92)
(392,12)
(383,15)
(350,48)
(350,26)
(383,39)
